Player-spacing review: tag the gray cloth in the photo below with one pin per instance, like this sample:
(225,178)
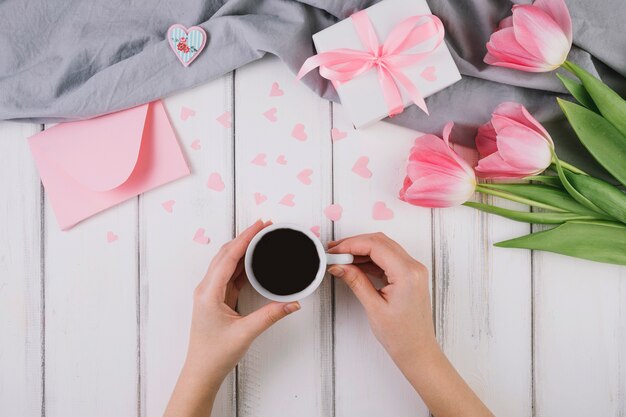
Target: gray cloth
(63,61)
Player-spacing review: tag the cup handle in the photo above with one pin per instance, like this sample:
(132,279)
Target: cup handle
(339,258)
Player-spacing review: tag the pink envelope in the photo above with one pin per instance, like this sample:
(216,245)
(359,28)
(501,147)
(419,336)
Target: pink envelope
(91,165)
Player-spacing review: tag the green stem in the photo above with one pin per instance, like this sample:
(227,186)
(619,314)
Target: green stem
(482,188)
(568,66)
(572,168)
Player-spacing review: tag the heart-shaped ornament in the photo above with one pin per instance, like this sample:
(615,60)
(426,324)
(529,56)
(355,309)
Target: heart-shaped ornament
(186,43)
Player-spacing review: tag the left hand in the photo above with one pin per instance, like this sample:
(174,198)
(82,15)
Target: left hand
(219,335)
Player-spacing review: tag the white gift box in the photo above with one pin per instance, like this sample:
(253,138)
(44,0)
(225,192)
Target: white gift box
(362,96)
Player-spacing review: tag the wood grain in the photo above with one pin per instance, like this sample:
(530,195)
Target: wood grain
(484,304)
(367,381)
(287,370)
(91,315)
(21,307)
(172,263)
(579,337)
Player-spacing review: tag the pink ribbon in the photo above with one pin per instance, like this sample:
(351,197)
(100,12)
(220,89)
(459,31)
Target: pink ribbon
(345,64)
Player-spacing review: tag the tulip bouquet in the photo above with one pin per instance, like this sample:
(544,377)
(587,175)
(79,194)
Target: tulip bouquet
(589,213)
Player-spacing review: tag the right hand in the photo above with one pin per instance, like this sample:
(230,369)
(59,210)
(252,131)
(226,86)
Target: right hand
(400,313)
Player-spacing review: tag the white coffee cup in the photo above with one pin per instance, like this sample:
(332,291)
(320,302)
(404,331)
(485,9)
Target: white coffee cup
(325,259)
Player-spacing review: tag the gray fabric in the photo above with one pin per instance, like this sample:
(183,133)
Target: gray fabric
(67,60)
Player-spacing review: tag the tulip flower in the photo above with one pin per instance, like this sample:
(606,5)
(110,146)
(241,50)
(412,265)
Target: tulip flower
(436,175)
(536,38)
(513,144)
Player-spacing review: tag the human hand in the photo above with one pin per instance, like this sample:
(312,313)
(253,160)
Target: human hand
(401,319)
(219,335)
(399,313)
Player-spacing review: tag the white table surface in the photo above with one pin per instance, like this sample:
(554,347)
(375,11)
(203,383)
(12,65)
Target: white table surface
(92,328)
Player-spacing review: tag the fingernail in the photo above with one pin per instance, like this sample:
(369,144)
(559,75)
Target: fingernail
(291,307)
(336,270)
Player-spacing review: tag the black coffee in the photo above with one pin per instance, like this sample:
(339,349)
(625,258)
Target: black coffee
(285,261)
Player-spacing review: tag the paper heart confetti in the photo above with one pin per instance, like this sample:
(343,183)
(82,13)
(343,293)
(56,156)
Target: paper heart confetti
(168,205)
(429,74)
(215,182)
(305,176)
(287,200)
(259,160)
(200,237)
(271,115)
(380,211)
(360,167)
(111,237)
(333,212)
(195,145)
(186,113)
(225,119)
(298,132)
(316,230)
(259,198)
(276,91)
(186,43)
(281,160)
(337,134)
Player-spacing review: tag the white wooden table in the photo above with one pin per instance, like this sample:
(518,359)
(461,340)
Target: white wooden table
(93,327)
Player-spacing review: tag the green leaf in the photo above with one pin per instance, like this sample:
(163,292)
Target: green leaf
(526,216)
(577,90)
(593,240)
(551,198)
(610,104)
(603,141)
(604,195)
(550,180)
(571,190)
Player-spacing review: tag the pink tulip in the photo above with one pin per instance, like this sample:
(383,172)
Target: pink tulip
(436,175)
(537,38)
(513,144)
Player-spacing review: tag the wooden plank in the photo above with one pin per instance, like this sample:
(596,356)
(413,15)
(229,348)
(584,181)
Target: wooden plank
(21,324)
(288,370)
(91,333)
(172,263)
(579,337)
(367,382)
(483,304)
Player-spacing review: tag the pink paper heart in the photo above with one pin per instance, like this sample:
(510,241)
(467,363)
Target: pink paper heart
(186,113)
(360,167)
(287,200)
(337,134)
(186,43)
(281,160)
(275,90)
(215,182)
(225,119)
(316,230)
(333,212)
(298,132)
(380,211)
(196,145)
(305,176)
(259,160)
(429,74)
(259,198)
(111,237)
(271,115)
(200,237)
(168,205)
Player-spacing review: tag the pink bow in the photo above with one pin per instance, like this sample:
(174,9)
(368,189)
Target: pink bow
(345,64)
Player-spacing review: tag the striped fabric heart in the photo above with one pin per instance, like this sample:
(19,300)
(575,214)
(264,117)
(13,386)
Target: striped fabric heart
(186,43)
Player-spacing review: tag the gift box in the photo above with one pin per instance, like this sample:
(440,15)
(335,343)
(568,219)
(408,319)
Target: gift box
(384,58)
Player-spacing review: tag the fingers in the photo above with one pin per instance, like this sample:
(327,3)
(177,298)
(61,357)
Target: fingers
(359,283)
(225,264)
(263,318)
(383,251)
